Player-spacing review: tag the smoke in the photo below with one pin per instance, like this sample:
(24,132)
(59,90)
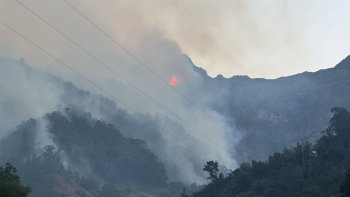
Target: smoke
(218,35)
(29,92)
(255,38)
(43,136)
(227,37)
(24,94)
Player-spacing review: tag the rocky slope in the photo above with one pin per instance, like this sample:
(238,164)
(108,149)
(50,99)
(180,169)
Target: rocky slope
(278,113)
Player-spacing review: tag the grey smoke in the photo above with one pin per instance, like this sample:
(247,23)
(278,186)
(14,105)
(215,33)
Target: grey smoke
(31,92)
(38,93)
(43,137)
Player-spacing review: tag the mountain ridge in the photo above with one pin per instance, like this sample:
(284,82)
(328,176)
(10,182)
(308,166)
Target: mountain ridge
(345,63)
(266,108)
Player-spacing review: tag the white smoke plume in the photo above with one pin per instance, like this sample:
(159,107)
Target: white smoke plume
(43,137)
(29,93)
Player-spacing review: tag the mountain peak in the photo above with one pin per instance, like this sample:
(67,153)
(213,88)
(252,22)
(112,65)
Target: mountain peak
(345,63)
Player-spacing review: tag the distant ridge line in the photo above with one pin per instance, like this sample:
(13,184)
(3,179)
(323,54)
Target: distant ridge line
(194,149)
(116,73)
(149,69)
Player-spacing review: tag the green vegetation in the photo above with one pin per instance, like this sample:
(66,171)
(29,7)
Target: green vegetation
(74,155)
(304,171)
(110,164)
(10,185)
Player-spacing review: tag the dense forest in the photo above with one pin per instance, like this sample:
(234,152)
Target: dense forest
(88,157)
(306,170)
(49,93)
(71,154)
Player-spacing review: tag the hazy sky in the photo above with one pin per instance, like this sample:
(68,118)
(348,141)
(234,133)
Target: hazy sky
(261,38)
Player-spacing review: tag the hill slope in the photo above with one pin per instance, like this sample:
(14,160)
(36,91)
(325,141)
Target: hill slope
(50,149)
(270,114)
(306,170)
(277,113)
(29,92)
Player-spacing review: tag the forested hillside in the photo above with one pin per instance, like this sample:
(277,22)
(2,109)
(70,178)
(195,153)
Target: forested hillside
(35,92)
(70,155)
(306,170)
(268,114)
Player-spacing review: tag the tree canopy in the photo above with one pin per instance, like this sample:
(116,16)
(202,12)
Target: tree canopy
(10,185)
(306,170)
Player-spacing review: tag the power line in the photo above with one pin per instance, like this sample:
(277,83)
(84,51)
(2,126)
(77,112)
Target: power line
(102,89)
(116,73)
(147,67)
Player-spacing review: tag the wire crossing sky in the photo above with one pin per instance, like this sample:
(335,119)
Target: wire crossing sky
(116,73)
(173,82)
(259,38)
(68,67)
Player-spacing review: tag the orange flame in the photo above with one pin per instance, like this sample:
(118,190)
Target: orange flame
(173,81)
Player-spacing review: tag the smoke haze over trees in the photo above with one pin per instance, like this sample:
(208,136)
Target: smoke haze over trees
(134,109)
(255,107)
(305,170)
(59,95)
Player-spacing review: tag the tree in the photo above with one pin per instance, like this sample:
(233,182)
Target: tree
(345,186)
(212,168)
(306,170)
(9,172)
(49,152)
(340,121)
(10,185)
